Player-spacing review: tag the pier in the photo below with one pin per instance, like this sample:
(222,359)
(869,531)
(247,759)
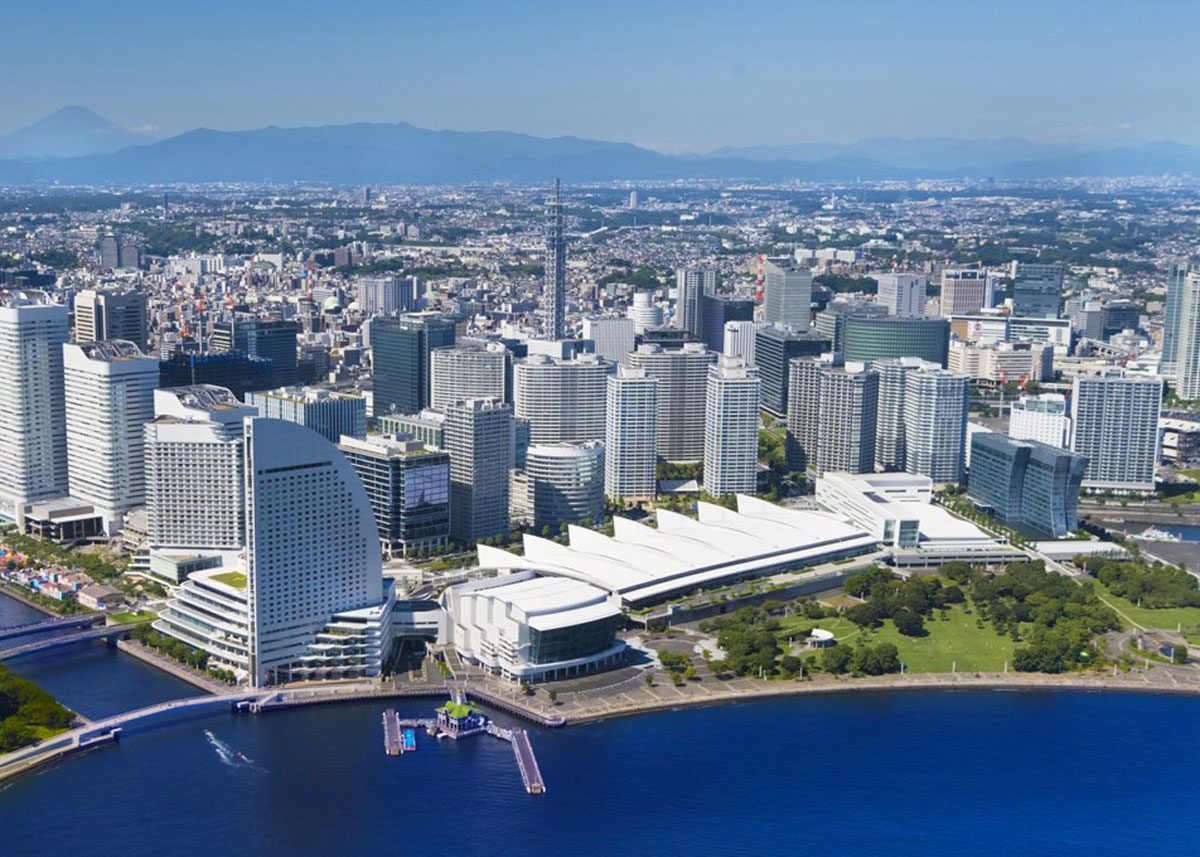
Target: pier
(391,733)
(527,762)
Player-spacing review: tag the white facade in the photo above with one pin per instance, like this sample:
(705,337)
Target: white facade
(739,340)
(563,483)
(787,294)
(479,437)
(965,291)
(1115,424)
(109,396)
(902,294)
(1187,336)
(935,423)
(731,428)
(631,434)
(682,375)
(33,439)
(614,337)
(890,450)
(691,284)
(386,295)
(1042,418)
(562,399)
(195,492)
(468,372)
(644,312)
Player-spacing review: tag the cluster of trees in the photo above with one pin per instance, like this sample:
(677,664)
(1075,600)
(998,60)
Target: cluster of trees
(176,650)
(679,666)
(905,602)
(864,659)
(24,708)
(847,283)
(48,553)
(1151,585)
(644,277)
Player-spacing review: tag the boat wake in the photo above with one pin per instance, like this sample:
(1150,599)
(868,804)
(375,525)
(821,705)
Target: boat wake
(230,757)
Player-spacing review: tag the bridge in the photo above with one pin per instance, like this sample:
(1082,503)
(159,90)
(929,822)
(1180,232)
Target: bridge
(85,620)
(107,632)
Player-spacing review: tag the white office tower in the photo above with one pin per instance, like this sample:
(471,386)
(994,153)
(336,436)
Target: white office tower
(1187,336)
(329,414)
(386,295)
(1115,424)
(902,294)
(562,483)
(195,492)
(562,399)
(644,313)
(787,293)
(890,450)
(731,428)
(966,291)
(691,285)
(1042,418)
(33,437)
(469,370)
(614,337)
(631,435)
(317,602)
(1177,277)
(682,386)
(935,423)
(109,395)
(105,314)
(848,407)
(479,438)
(739,340)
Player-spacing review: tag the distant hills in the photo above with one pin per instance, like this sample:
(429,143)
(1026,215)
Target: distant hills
(67,133)
(76,146)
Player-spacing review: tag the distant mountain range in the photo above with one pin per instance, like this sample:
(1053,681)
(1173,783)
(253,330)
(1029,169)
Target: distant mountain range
(76,146)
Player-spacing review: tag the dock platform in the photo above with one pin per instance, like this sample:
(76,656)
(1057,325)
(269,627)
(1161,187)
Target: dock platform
(527,762)
(391,733)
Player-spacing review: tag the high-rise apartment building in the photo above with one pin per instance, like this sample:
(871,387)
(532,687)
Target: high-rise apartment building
(902,294)
(1187,336)
(614,337)
(1037,290)
(740,337)
(33,439)
(470,370)
(644,312)
(195,486)
(775,346)
(890,450)
(682,384)
(409,489)
(1027,485)
(691,285)
(787,293)
(400,355)
(1177,278)
(1115,423)
(935,423)
(269,340)
(848,403)
(386,295)
(1042,418)
(966,291)
(479,439)
(330,414)
(562,399)
(731,428)
(554,286)
(561,483)
(631,434)
(109,397)
(104,314)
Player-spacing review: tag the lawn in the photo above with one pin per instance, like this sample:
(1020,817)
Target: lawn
(1163,618)
(44,732)
(793,626)
(130,618)
(236,579)
(954,641)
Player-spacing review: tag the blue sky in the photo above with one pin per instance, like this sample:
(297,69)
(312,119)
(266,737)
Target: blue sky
(673,75)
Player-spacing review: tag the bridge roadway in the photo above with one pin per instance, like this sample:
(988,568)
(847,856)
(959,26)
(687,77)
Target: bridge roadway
(101,633)
(78,621)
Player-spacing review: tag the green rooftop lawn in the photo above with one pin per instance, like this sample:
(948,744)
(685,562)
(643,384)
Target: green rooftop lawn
(458,710)
(131,618)
(236,579)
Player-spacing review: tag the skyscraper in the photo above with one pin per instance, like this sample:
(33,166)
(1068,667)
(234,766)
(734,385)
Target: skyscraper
(731,428)
(33,439)
(1027,485)
(409,489)
(554,287)
(479,439)
(644,312)
(1176,286)
(470,370)
(109,397)
(787,293)
(386,295)
(890,450)
(236,372)
(1115,421)
(935,423)
(682,384)
(716,312)
(902,294)
(966,291)
(631,434)
(1187,336)
(1042,418)
(775,346)
(270,340)
(1037,290)
(614,337)
(563,483)
(740,339)
(849,402)
(562,399)
(691,285)
(103,314)
(804,409)
(329,414)
(400,350)
(870,339)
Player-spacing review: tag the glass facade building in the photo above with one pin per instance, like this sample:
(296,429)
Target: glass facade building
(1027,485)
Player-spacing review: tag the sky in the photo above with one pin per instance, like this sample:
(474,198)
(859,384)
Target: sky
(676,76)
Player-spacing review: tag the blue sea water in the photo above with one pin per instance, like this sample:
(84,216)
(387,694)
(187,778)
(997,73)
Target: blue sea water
(977,773)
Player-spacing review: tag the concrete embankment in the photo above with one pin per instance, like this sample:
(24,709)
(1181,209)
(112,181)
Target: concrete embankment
(193,677)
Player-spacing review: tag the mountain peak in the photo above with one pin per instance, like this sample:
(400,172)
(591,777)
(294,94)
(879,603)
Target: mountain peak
(69,132)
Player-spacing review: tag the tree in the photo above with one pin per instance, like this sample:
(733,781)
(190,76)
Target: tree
(791,664)
(526,688)
(864,615)
(836,658)
(648,678)
(909,623)
(553,695)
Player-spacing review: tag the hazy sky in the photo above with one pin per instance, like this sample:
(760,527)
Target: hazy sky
(673,75)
